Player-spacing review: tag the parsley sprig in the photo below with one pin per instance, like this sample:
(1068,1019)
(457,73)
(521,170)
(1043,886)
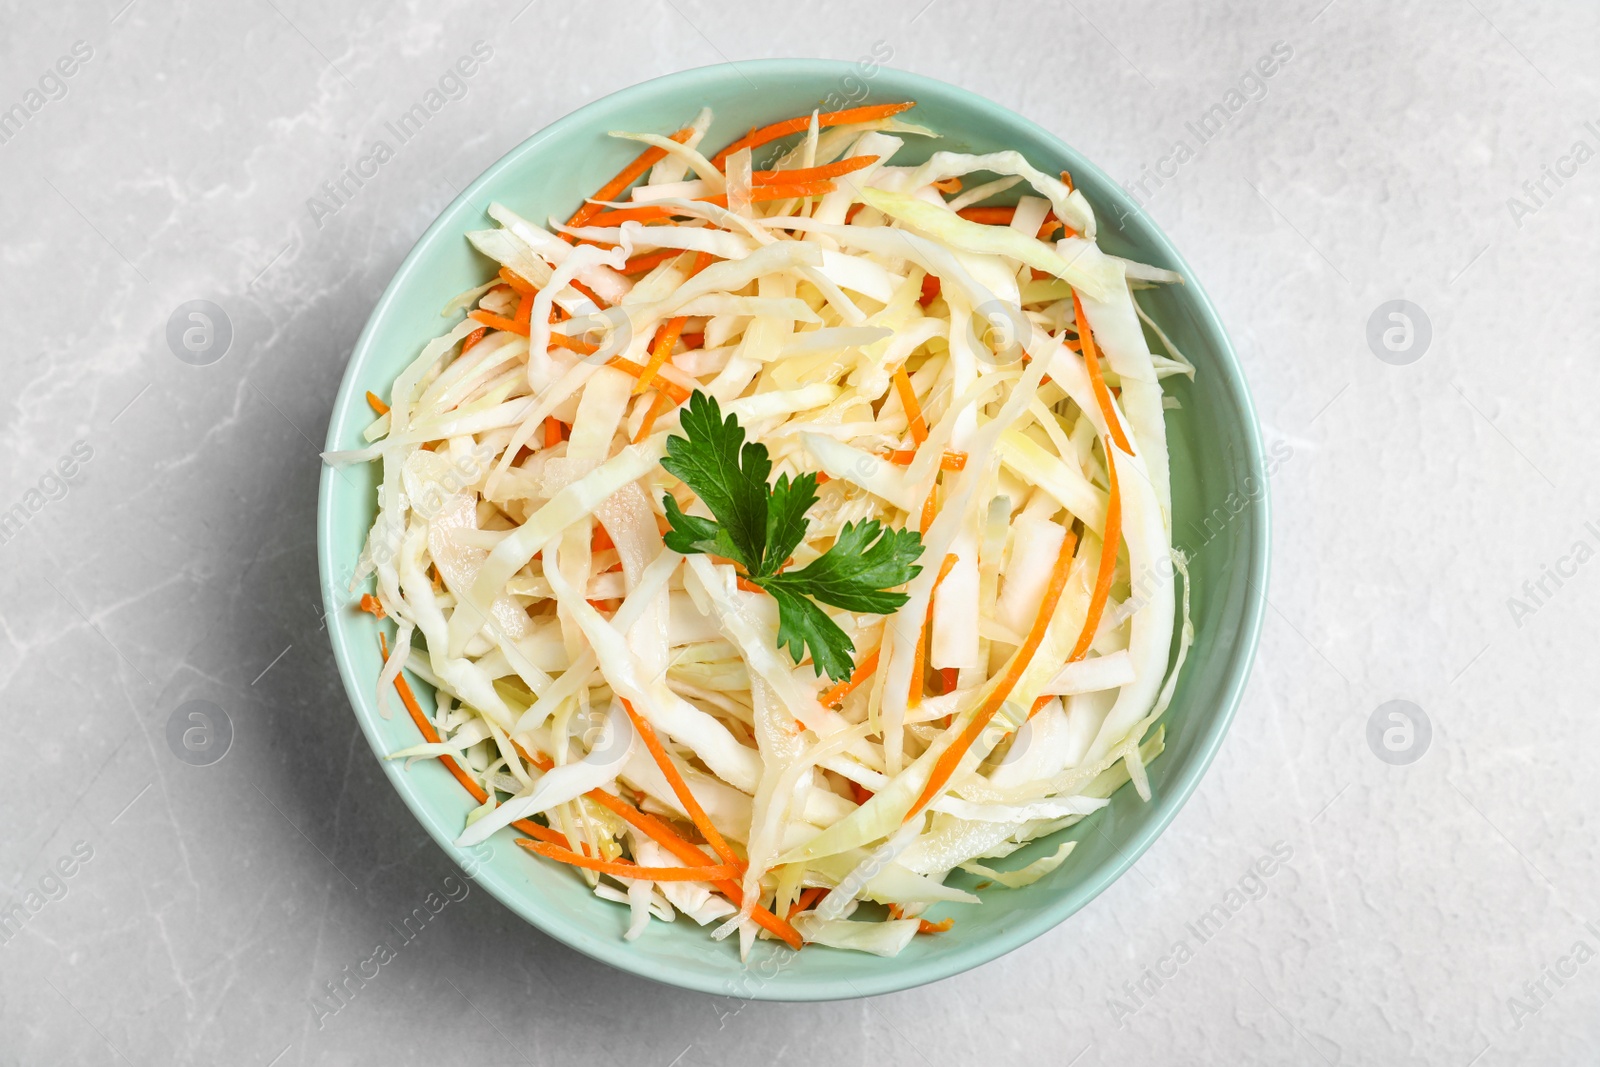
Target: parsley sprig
(758,526)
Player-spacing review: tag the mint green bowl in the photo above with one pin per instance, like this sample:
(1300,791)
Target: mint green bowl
(1219,504)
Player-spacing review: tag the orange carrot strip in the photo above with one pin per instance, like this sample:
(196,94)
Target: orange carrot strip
(693,341)
(948,678)
(660,350)
(377,405)
(673,842)
(552,432)
(908,400)
(650,260)
(918,662)
(930,289)
(677,392)
(811,174)
(758,194)
(626,869)
(950,758)
(948,186)
(1108,565)
(473,338)
(658,407)
(801,123)
(680,789)
(430,735)
(624,178)
(517,282)
(990,216)
(834,696)
(1038,705)
(370,605)
(667,335)
(861,793)
(524,316)
(808,900)
(1091,360)
(498,322)
(926,927)
(930,508)
(950,461)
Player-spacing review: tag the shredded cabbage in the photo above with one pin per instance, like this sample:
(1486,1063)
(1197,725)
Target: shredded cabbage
(518,539)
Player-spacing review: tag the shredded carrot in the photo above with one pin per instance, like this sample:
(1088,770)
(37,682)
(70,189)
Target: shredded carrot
(850,215)
(627,869)
(518,283)
(919,662)
(950,461)
(524,317)
(990,216)
(808,899)
(692,341)
(1108,564)
(1038,705)
(948,186)
(1066,179)
(835,695)
(948,679)
(668,838)
(667,335)
(758,194)
(430,735)
(370,605)
(950,758)
(600,539)
(861,793)
(680,789)
(658,407)
(677,392)
(573,344)
(473,338)
(650,260)
(801,123)
(1091,360)
(499,322)
(811,174)
(552,432)
(653,827)
(377,405)
(930,289)
(926,927)
(908,400)
(930,508)
(624,178)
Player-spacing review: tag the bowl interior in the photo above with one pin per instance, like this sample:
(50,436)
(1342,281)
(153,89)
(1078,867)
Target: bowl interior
(1219,505)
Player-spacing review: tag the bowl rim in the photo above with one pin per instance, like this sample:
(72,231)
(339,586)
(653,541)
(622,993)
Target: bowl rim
(1178,789)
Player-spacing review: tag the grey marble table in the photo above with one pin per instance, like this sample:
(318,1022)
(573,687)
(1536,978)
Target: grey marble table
(1434,900)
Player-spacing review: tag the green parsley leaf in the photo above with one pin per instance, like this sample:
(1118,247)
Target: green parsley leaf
(732,481)
(759,526)
(853,574)
(802,625)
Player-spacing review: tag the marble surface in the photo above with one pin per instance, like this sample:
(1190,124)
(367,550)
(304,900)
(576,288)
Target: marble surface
(1436,903)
